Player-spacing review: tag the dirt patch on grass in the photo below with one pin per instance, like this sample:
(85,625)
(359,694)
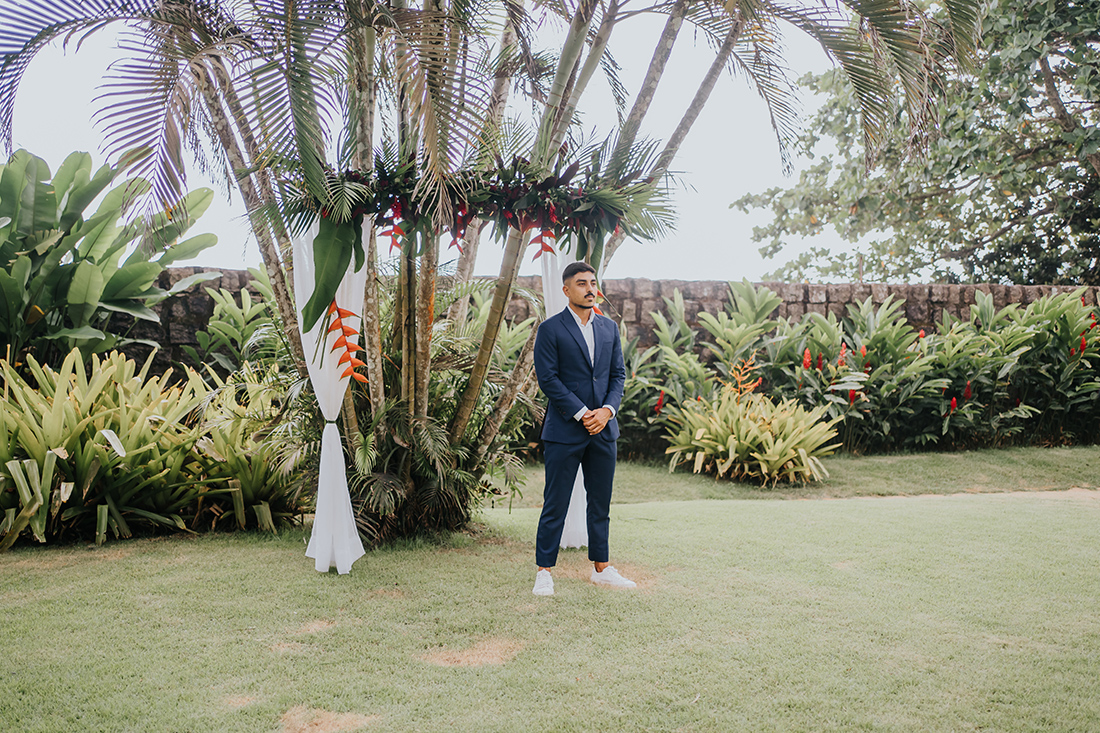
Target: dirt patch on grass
(290,647)
(488,651)
(300,719)
(388,593)
(314,627)
(56,558)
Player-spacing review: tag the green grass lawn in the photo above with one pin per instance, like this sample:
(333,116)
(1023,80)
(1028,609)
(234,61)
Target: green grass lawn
(963,612)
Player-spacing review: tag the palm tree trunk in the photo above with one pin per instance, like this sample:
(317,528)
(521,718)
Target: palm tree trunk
(591,64)
(498,100)
(456,314)
(517,381)
(425,321)
(362,102)
(272,262)
(702,94)
(661,53)
(517,241)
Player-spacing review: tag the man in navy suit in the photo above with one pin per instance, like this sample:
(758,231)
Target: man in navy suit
(579,363)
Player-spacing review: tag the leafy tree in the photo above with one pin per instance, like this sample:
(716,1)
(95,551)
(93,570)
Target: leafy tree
(1010,190)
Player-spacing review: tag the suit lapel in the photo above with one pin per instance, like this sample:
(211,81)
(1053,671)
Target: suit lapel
(595,340)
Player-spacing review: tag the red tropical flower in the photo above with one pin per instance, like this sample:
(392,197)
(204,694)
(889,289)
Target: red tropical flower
(921,334)
(807,359)
(954,404)
(1084,342)
(851,397)
(821,361)
(966,392)
(342,343)
(843,351)
(660,403)
(863,351)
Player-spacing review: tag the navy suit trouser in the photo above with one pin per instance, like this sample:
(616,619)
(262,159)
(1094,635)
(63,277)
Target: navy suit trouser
(597,456)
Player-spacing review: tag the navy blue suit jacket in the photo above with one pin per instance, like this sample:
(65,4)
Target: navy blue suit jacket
(571,382)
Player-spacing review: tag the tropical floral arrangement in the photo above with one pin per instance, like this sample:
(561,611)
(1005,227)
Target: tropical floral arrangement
(560,210)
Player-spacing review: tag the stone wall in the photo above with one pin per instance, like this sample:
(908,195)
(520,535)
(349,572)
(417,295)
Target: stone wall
(181,316)
(632,301)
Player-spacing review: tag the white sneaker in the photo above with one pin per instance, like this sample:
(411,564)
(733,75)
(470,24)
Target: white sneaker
(610,576)
(544,583)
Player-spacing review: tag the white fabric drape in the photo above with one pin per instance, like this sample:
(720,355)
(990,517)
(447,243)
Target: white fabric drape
(334,541)
(575,533)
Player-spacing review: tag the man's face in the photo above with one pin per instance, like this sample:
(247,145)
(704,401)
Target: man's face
(581,290)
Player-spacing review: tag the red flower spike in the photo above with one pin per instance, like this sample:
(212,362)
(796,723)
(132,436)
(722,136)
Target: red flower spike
(340,343)
(863,351)
(358,377)
(344,358)
(867,368)
(851,397)
(660,403)
(821,361)
(966,392)
(1084,342)
(332,308)
(921,334)
(954,404)
(843,351)
(1072,351)
(349,372)
(807,359)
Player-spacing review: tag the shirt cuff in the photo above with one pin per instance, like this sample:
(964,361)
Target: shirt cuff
(612,410)
(580,414)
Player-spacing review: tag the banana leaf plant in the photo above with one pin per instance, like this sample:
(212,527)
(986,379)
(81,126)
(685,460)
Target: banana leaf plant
(66,271)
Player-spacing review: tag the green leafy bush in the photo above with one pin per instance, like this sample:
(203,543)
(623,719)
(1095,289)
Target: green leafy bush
(232,325)
(741,434)
(1017,375)
(108,448)
(113,447)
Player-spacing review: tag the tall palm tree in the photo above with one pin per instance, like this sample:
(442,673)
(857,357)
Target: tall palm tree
(878,43)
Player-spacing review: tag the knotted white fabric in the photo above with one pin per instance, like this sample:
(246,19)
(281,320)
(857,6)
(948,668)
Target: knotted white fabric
(575,532)
(334,541)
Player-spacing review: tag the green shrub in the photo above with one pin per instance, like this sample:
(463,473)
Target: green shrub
(1017,375)
(112,447)
(108,448)
(740,434)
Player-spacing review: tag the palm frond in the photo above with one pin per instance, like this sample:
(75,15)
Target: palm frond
(27,27)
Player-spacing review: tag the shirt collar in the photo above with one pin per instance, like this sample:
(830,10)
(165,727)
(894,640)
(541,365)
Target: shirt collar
(577,318)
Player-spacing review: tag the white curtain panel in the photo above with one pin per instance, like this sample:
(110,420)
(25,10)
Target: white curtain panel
(335,541)
(575,533)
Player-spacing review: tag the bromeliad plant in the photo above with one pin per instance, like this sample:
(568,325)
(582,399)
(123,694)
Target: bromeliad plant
(742,434)
(110,446)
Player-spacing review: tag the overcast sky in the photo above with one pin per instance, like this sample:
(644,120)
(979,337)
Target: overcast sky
(731,151)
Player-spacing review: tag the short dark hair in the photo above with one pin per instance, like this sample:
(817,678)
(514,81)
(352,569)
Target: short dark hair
(573,268)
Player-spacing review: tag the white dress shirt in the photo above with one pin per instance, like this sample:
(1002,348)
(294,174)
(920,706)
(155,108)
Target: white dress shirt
(589,335)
